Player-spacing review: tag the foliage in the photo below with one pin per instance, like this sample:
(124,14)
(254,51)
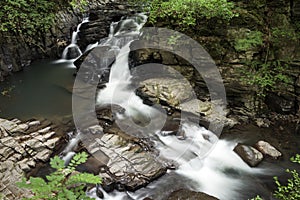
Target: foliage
(287,33)
(265,76)
(290,191)
(31,19)
(24,16)
(64,183)
(250,40)
(184,13)
(257,198)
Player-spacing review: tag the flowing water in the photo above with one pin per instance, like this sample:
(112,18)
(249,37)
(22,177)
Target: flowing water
(206,163)
(72,51)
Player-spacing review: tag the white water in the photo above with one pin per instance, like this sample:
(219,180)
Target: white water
(73,45)
(206,174)
(206,163)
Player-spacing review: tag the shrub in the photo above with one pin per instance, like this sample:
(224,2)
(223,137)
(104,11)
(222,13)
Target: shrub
(290,191)
(251,40)
(184,13)
(265,76)
(64,183)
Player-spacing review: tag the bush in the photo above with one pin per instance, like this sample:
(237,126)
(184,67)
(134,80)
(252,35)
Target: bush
(184,13)
(251,40)
(290,191)
(65,183)
(265,76)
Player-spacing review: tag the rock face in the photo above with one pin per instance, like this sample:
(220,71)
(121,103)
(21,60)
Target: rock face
(249,154)
(267,149)
(16,54)
(22,146)
(184,194)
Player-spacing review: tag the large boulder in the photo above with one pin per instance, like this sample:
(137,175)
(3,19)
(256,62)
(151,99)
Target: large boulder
(249,154)
(267,149)
(125,162)
(128,166)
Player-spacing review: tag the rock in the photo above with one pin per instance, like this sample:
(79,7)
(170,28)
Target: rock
(263,122)
(34,123)
(267,149)
(51,143)
(169,90)
(108,184)
(249,154)
(99,193)
(184,194)
(129,166)
(43,155)
(45,130)
(23,126)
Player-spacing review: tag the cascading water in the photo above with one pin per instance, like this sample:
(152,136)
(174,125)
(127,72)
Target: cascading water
(72,51)
(222,173)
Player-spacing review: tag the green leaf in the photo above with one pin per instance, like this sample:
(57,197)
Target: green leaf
(57,163)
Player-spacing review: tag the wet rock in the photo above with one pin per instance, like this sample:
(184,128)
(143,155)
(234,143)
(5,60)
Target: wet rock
(129,165)
(172,91)
(184,194)
(267,149)
(108,184)
(99,193)
(249,154)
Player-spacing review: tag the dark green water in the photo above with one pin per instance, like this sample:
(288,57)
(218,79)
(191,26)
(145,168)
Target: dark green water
(41,90)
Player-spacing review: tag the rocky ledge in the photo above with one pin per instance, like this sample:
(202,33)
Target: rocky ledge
(124,162)
(22,146)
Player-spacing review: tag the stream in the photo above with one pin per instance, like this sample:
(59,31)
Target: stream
(206,163)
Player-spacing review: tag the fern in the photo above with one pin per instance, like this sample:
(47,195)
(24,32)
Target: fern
(65,183)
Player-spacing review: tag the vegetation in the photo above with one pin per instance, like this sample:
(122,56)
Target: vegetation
(184,13)
(257,198)
(251,40)
(31,19)
(65,183)
(290,191)
(265,76)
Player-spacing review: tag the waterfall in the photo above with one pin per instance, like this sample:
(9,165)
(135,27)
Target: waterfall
(72,51)
(200,173)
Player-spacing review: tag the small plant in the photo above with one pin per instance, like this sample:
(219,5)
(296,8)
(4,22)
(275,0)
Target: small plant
(290,191)
(63,184)
(251,40)
(265,76)
(257,198)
